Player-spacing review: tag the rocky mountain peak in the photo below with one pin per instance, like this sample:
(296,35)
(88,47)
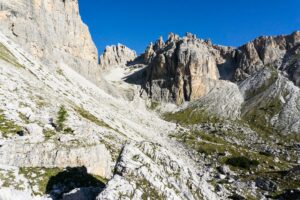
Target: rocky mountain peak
(216,122)
(265,51)
(159,44)
(186,68)
(172,37)
(116,55)
(180,69)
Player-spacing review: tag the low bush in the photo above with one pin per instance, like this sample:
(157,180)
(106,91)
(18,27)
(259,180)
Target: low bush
(242,162)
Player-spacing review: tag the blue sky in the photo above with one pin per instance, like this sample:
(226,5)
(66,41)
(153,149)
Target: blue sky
(136,23)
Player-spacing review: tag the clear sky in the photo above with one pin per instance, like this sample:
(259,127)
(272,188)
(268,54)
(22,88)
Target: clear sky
(136,23)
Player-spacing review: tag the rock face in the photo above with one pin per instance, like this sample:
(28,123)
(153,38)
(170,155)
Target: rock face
(96,158)
(51,31)
(116,55)
(148,170)
(224,100)
(186,69)
(268,51)
(182,69)
(271,101)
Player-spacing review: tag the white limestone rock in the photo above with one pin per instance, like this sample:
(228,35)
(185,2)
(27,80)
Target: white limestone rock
(269,89)
(148,169)
(95,158)
(13,194)
(115,56)
(51,31)
(182,69)
(224,100)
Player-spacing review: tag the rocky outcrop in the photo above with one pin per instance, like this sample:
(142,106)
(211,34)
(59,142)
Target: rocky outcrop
(182,69)
(116,55)
(266,51)
(186,69)
(148,170)
(224,101)
(271,102)
(51,31)
(95,158)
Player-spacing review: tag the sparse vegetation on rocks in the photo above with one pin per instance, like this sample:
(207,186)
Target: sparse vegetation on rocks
(8,127)
(6,55)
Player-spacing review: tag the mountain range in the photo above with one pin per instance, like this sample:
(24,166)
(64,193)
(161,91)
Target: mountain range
(186,119)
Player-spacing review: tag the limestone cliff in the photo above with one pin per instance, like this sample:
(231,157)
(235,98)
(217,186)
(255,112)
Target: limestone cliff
(275,51)
(53,31)
(182,69)
(186,69)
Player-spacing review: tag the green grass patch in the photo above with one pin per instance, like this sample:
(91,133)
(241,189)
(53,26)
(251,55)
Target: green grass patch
(92,118)
(148,191)
(7,56)
(39,177)
(153,105)
(49,133)
(23,118)
(259,116)
(191,116)
(214,145)
(60,72)
(283,180)
(8,179)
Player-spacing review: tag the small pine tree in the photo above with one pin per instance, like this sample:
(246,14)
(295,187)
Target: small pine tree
(61,118)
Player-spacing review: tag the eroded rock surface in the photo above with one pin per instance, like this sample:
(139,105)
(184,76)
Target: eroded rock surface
(95,158)
(51,31)
(187,68)
(266,51)
(182,69)
(116,55)
(148,170)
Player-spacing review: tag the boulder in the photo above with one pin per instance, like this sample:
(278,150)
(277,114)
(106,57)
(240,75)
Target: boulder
(266,184)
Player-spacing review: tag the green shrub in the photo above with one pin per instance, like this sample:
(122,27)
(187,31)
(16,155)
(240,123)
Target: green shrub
(68,131)
(242,162)
(61,118)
